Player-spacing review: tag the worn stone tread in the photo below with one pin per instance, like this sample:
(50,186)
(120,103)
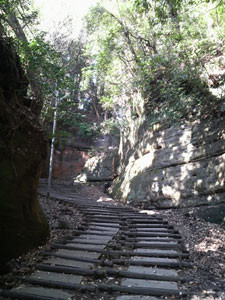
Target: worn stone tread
(89,241)
(112,225)
(136,297)
(159,251)
(172,286)
(143,225)
(93,227)
(159,244)
(60,277)
(98,232)
(86,247)
(43,292)
(77,253)
(145,239)
(153,271)
(104,239)
(155,260)
(153,229)
(68,263)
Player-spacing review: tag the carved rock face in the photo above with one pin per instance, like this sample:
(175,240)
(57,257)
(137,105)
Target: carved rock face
(69,162)
(22,147)
(102,167)
(180,166)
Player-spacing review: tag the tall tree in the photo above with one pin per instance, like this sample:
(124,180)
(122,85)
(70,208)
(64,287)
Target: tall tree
(17,15)
(149,55)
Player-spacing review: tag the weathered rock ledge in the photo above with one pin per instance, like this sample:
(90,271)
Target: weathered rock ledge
(101,167)
(180,166)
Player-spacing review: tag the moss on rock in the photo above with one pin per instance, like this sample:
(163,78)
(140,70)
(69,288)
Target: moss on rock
(22,147)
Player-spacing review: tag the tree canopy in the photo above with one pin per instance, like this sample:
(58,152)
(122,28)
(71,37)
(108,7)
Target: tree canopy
(163,58)
(160,58)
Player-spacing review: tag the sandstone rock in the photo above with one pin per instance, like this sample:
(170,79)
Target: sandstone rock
(22,146)
(72,153)
(175,167)
(69,162)
(102,167)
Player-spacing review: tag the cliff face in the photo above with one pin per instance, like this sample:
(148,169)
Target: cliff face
(69,162)
(22,147)
(179,166)
(69,159)
(95,158)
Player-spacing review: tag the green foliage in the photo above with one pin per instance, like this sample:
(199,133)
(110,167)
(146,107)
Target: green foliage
(72,120)
(44,60)
(40,59)
(157,53)
(152,57)
(86,130)
(110,126)
(107,102)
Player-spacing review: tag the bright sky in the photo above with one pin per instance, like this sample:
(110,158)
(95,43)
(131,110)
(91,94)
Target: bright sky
(54,11)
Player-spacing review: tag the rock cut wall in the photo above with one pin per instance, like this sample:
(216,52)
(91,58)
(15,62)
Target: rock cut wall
(22,146)
(95,158)
(181,166)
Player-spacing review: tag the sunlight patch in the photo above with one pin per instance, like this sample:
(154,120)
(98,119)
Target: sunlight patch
(169,192)
(104,199)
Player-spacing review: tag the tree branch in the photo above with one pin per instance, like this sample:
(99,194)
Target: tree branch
(36,105)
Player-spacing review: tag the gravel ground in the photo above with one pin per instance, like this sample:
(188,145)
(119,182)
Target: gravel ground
(204,241)
(206,245)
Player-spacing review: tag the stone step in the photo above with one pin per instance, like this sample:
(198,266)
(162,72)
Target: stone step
(147,226)
(136,297)
(156,245)
(99,228)
(77,253)
(149,239)
(149,253)
(154,261)
(68,263)
(36,293)
(87,241)
(56,277)
(159,285)
(102,238)
(157,251)
(144,229)
(86,247)
(153,271)
(105,225)
(97,232)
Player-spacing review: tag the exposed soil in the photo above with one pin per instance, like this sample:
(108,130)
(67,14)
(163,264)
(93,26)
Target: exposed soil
(206,245)
(205,241)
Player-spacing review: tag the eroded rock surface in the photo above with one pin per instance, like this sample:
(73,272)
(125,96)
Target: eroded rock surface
(22,146)
(101,167)
(179,166)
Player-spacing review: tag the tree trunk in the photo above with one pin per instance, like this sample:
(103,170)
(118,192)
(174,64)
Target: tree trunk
(37,102)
